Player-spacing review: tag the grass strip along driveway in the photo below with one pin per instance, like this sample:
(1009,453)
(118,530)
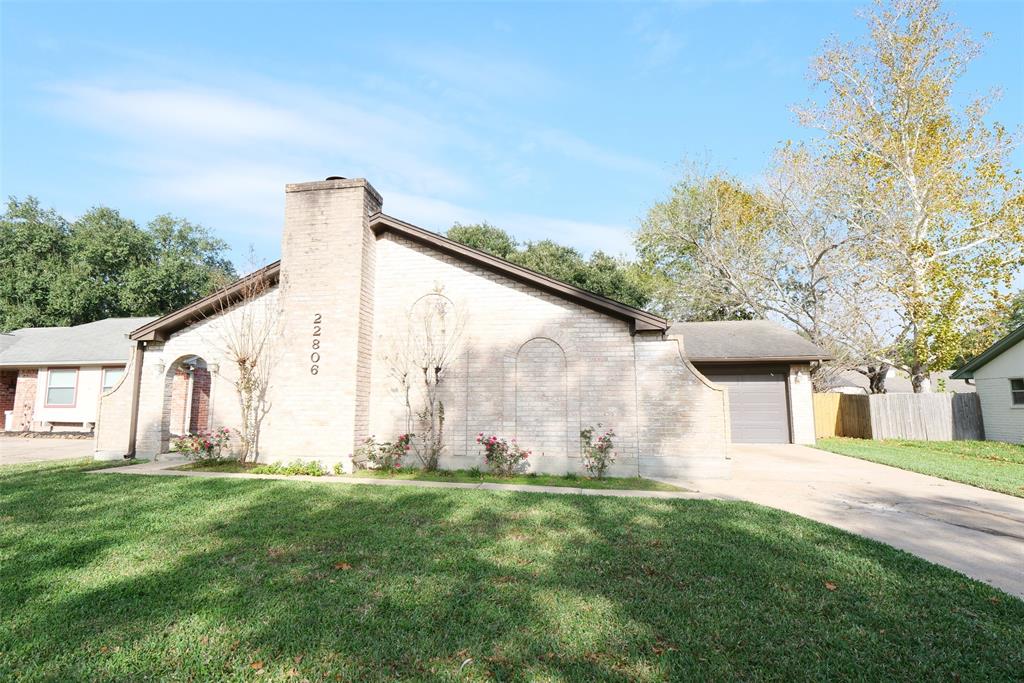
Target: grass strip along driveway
(129,578)
(989,465)
(469,477)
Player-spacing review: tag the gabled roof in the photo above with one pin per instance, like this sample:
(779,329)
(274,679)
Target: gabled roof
(997,349)
(161,328)
(99,342)
(638,319)
(739,341)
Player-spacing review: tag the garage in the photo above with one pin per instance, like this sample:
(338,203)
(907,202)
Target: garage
(766,369)
(758,404)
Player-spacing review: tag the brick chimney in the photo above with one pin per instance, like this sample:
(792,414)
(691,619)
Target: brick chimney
(320,385)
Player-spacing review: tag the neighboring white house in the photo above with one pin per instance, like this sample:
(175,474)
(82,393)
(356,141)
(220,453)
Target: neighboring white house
(998,373)
(51,378)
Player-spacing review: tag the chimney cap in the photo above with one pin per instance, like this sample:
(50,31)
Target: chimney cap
(335,177)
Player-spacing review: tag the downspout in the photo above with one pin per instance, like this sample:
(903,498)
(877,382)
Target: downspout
(133,417)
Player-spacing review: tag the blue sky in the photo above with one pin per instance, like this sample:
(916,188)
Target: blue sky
(551,120)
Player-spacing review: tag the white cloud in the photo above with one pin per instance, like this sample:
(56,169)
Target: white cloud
(226,152)
(203,127)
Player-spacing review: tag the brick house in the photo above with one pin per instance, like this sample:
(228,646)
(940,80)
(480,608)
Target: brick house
(51,378)
(540,359)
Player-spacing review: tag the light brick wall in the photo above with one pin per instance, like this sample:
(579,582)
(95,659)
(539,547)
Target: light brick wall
(533,365)
(801,403)
(667,419)
(324,253)
(205,339)
(113,416)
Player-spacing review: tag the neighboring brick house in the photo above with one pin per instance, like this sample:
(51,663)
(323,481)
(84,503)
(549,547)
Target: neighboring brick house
(51,378)
(540,360)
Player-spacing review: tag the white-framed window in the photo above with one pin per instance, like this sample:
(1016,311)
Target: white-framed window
(60,387)
(111,376)
(1017,391)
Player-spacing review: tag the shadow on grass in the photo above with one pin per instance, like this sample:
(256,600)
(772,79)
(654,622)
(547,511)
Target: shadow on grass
(129,577)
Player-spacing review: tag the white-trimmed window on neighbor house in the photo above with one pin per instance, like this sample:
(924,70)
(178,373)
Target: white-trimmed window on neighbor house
(60,387)
(1017,391)
(111,376)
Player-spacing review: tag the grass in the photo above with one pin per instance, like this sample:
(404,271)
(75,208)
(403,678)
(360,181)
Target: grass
(473,477)
(989,465)
(122,577)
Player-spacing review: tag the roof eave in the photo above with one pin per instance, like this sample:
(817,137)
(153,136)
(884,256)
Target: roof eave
(757,359)
(983,358)
(61,363)
(162,328)
(639,320)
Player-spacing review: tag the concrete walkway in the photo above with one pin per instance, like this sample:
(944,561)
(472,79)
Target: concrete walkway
(977,532)
(16,450)
(165,467)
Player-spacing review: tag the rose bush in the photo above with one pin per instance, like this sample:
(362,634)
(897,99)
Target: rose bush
(386,455)
(504,458)
(203,446)
(597,455)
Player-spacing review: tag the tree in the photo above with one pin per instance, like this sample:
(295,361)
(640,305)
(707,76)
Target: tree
(929,188)
(602,274)
(1016,317)
(420,360)
(102,265)
(247,331)
(776,252)
(485,237)
(33,243)
(188,263)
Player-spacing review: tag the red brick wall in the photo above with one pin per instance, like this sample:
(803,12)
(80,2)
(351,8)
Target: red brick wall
(200,401)
(8,384)
(179,395)
(25,399)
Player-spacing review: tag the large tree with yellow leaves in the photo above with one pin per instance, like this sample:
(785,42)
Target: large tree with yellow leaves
(928,188)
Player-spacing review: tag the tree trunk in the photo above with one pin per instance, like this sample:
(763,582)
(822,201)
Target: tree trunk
(917,378)
(876,377)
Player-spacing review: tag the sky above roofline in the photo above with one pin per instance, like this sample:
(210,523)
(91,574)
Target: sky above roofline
(562,121)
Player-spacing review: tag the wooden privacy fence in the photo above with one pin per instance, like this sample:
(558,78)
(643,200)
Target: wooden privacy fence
(841,415)
(924,417)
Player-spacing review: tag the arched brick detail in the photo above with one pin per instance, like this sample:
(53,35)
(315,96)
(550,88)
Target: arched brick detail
(186,408)
(515,394)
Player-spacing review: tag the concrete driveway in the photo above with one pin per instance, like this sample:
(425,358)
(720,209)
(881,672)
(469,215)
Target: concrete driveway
(15,450)
(971,530)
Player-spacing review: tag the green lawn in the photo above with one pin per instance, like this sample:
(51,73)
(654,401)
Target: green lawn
(118,577)
(471,477)
(988,464)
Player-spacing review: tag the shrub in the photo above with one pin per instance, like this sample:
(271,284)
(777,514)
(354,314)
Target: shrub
(203,446)
(597,455)
(386,456)
(504,458)
(312,469)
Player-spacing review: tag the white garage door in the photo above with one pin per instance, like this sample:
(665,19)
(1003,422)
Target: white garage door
(758,410)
